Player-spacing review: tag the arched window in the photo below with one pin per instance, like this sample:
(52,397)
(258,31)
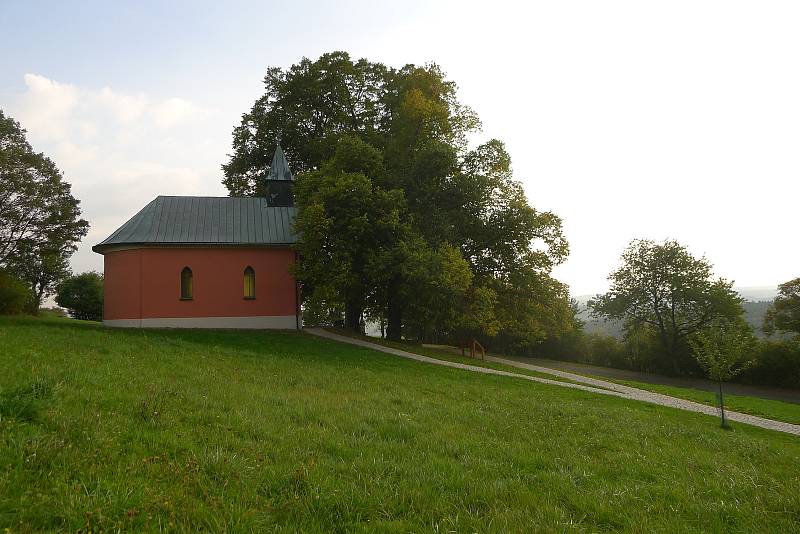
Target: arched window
(187,288)
(249,283)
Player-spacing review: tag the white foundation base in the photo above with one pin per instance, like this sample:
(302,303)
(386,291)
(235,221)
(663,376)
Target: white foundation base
(264,322)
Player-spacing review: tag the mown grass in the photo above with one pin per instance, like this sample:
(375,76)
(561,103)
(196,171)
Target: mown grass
(771,409)
(252,431)
(449,355)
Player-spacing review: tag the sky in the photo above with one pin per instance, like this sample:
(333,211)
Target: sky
(649,120)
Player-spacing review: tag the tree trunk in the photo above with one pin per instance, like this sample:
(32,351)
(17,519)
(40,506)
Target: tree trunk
(722,407)
(352,316)
(36,301)
(394,313)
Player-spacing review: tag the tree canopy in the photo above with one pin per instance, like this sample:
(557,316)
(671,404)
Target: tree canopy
(401,221)
(661,287)
(784,314)
(724,348)
(40,220)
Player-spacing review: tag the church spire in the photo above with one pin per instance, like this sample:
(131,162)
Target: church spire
(279,170)
(280,181)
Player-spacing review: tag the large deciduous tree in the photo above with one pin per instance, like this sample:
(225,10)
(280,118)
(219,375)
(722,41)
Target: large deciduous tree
(457,246)
(39,218)
(784,314)
(309,106)
(662,287)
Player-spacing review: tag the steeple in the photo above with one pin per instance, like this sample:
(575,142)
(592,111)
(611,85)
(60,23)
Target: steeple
(279,170)
(280,181)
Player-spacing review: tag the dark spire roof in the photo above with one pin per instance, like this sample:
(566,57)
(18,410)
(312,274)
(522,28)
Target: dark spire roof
(279,170)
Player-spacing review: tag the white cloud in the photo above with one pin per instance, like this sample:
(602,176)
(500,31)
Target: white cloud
(70,155)
(125,108)
(119,150)
(174,111)
(47,105)
(55,111)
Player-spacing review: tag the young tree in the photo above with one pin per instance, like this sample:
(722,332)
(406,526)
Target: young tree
(665,287)
(723,348)
(36,205)
(784,314)
(82,296)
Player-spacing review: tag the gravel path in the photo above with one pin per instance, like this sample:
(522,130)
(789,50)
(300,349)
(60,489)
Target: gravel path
(585,384)
(733,388)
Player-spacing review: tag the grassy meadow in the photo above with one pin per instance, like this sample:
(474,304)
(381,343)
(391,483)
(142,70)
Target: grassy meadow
(788,412)
(120,430)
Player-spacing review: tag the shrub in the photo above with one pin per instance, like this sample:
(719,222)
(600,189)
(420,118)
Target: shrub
(82,296)
(14,294)
(777,363)
(606,351)
(571,346)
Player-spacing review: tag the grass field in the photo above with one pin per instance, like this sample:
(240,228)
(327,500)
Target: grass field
(788,412)
(240,431)
(771,409)
(449,354)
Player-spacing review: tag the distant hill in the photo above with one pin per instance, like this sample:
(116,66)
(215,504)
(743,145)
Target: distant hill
(758,294)
(757,300)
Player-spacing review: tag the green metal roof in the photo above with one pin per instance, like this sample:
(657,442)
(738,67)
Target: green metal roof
(206,221)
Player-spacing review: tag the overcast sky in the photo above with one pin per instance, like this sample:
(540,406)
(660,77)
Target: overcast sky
(628,119)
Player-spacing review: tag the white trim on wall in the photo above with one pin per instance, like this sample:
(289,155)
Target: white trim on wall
(265,322)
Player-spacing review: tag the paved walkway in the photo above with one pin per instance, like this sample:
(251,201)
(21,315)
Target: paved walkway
(585,384)
(733,388)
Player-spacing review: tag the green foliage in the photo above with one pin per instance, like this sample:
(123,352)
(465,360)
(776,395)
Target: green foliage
(724,348)
(389,195)
(438,283)
(42,266)
(351,230)
(39,217)
(777,363)
(663,287)
(14,294)
(82,296)
(309,107)
(784,314)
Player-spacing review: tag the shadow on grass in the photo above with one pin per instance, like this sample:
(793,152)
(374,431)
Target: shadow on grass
(252,343)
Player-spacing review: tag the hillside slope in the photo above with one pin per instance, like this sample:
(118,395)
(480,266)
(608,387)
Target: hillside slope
(187,430)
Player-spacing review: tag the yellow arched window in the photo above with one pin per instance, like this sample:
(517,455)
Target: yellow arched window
(249,283)
(186,284)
